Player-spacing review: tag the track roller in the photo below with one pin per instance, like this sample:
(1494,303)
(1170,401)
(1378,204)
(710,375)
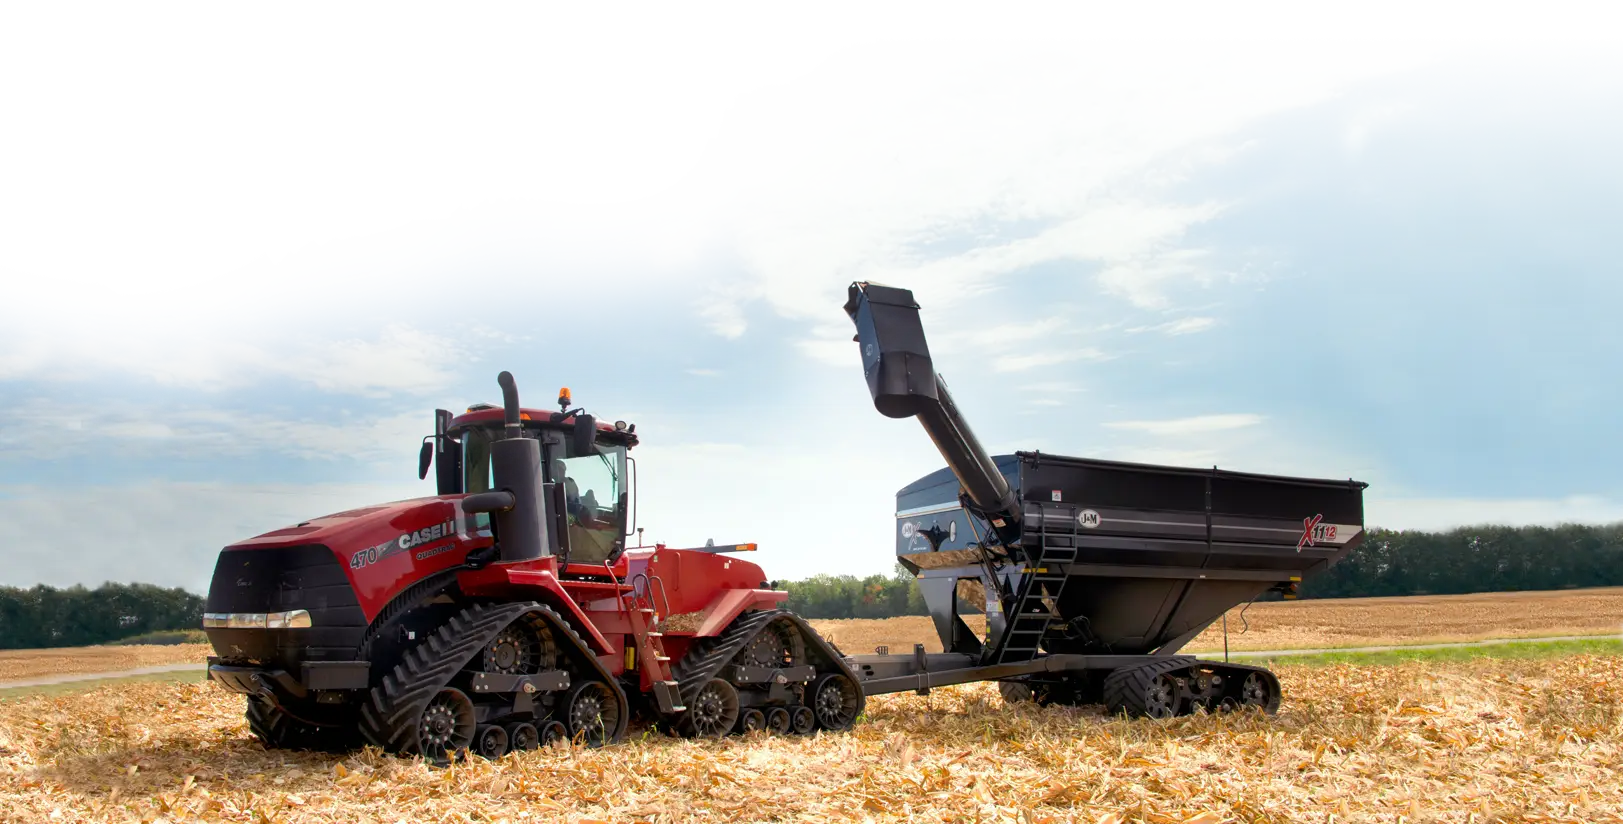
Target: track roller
(751,720)
(522,735)
(553,732)
(491,741)
(777,721)
(803,721)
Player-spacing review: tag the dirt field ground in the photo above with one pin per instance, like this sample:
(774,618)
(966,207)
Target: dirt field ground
(1485,741)
(20,664)
(1317,624)
(1314,624)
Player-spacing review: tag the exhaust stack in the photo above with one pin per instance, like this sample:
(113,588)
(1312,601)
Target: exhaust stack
(516,469)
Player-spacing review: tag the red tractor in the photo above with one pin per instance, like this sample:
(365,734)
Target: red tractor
(509,611)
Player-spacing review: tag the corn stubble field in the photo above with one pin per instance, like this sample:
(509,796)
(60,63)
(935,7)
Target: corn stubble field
(1470,741)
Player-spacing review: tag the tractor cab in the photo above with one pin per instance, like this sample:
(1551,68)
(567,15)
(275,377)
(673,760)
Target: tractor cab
(586,460)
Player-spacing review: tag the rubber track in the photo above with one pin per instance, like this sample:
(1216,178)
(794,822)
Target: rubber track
(278,730)
(709,655)
(389,718)
(1124,688)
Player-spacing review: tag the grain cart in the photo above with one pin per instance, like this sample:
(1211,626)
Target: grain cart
(1092,574)
(509,610)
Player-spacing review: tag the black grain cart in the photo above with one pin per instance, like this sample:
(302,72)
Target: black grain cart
(1092,574)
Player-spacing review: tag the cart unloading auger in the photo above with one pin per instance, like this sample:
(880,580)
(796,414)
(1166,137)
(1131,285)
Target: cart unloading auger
(509,609)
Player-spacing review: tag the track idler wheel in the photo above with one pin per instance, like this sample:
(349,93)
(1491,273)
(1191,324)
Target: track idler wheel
(713,710)
(1261,690)
(592,713)
(1146,691)
(491,742)
(522,736)
(447,726)
(835,701)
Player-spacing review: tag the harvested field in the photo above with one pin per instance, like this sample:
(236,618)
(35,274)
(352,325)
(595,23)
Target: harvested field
(22,664)
(1497,740)
(1341,622)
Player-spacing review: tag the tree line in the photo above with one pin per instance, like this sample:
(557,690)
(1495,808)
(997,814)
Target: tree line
(1389,562)
(48,617)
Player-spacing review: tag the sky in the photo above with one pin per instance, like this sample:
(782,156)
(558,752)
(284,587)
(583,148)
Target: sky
(247,252)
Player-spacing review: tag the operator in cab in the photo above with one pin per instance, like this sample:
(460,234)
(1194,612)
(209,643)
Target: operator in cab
(591,537)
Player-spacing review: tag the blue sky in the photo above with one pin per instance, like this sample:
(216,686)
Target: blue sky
(235,295)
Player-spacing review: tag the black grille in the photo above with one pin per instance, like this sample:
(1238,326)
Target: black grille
(281,579)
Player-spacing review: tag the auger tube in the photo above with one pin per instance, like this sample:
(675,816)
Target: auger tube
(903,383)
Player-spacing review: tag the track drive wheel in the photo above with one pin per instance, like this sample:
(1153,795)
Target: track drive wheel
(835,701)
(712,712)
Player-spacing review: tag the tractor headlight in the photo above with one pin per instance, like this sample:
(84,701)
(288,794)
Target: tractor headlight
(294,619)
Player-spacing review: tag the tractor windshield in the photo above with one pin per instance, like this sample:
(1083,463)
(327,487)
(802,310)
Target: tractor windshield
(595,491)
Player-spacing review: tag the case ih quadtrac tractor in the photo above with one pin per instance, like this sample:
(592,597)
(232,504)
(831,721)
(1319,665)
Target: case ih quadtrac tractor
(509,611)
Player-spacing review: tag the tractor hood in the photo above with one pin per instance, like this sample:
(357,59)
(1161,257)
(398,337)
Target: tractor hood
(405,524)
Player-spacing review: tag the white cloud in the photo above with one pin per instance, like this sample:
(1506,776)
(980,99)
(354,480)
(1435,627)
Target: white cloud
(43,430)
(1032,360)
(1189,426)
(234,291)
(279,255)
(1018,151)
(1181,326)
(721,307)
(704,373)
(1051,386)
(1363,123)
(159,532)
(401,359)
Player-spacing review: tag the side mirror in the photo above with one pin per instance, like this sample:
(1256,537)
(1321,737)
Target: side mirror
(424,458)
(585,435)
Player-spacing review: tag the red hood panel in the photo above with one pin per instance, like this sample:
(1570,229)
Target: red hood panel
(353,528)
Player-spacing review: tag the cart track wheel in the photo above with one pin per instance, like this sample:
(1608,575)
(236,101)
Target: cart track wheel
(1145,691)
(835,699)
(447,725)
(751,720)
(778,721)
(1015,692)
(491,742)
(592,713)
(1261,691)
(522,736)
(803,721)
(713,710)
(552,732)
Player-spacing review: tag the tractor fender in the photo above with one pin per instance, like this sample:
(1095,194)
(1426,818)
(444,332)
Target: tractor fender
(721,611)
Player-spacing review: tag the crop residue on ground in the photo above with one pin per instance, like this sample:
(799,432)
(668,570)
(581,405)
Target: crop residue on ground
(1481,741)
